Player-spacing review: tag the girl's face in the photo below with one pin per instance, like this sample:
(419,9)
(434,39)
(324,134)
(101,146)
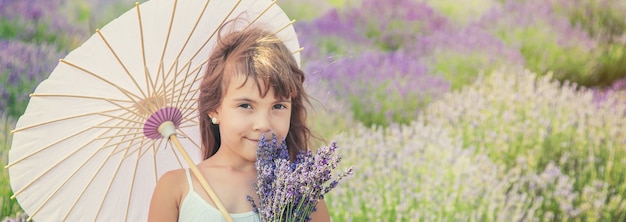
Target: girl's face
(245,115)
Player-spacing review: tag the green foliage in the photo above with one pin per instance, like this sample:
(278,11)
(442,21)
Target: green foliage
(8,206)
(604,21)
(14,28)
(38,33)
(464,13)
(327,116)
(610,66)
(303,10)
(462,69)
(24,86)
(391,106)
(543,53)
(342,3)
(334,46)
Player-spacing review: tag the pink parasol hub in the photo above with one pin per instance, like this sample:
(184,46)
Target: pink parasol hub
(163,123)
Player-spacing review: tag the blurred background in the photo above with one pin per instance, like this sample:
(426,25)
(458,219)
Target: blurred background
(473,110)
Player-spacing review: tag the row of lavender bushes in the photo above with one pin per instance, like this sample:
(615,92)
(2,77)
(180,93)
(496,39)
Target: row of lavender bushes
(512,146)
(413,50)
(446,110)
(484,111)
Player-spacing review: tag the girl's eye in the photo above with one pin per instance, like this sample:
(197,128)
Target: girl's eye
(245,106)
(280,106)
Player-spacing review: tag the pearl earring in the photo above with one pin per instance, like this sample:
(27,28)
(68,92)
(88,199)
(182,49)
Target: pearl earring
(214,120)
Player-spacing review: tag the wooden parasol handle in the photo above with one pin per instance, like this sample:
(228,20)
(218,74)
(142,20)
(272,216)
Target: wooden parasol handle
(201,178)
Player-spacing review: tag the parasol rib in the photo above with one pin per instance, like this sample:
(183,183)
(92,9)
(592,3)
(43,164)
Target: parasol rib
(206,4)
(298,50)
(250,24)
(89,184)
(190,118)
(55,120)
(58,188)
(117,169)
(77,96)
(163,89)
(121,127)
(112,101)
(116,102)
(183,83)
(197,71)
(156,177)
(52,144)
(55,165)
(121,134)
(144,151)
(143,54)
(188,63)
(128,94)
(213,33)
(132,184)
(260,14)
(284,27)
(197,146)
(173,82)
(150,83)
(188,97)
(120,62)
(116,145)
(161,68)
(206,61)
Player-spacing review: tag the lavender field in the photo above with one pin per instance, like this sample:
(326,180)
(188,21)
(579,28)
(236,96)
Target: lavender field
(486,110)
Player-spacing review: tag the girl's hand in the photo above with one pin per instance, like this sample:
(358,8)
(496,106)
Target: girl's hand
(321,213)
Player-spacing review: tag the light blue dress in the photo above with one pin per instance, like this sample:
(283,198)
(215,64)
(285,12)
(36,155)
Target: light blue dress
(195,209)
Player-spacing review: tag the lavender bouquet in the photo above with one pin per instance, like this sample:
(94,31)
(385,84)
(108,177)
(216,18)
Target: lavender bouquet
(289,190)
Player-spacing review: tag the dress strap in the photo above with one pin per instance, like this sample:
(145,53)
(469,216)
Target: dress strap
(189,179)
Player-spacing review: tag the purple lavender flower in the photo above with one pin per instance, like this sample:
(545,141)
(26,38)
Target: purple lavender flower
(373,25)
(40,22)
(382,87)
(547,39)
(19,217)
(22,67)
(600,95)
(32,10)
(603,19)
(329,35)
(460,55)
(289,190)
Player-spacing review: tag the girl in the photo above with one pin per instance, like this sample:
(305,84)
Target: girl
(252,86)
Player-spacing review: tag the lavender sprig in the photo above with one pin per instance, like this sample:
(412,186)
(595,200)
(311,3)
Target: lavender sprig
(289,190)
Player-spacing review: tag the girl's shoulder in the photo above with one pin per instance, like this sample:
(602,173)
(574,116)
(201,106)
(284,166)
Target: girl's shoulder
(169,189)
(173,175)
(173,180)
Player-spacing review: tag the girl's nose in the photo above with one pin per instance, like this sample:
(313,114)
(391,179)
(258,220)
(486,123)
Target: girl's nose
(262,122)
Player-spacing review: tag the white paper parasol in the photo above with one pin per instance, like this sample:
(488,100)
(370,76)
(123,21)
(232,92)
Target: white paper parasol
(120,110)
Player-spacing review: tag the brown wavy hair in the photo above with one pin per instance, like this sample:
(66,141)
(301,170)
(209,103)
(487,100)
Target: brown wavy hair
(263,57)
